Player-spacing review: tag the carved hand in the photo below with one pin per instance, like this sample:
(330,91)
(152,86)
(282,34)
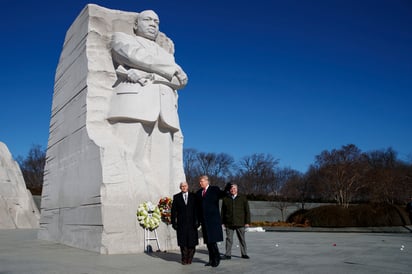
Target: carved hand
(181,76)
(135,76)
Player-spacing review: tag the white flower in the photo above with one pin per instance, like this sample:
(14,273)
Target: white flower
(148,215)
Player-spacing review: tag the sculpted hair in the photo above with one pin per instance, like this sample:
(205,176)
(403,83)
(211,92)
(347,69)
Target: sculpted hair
(162,40)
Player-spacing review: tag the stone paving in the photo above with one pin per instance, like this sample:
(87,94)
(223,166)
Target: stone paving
(270,252)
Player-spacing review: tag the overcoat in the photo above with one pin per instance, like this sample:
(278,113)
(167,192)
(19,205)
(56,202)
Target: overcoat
(209,215)
(184,220)
(235,212)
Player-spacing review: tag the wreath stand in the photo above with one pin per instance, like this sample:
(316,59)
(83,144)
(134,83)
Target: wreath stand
(148,238)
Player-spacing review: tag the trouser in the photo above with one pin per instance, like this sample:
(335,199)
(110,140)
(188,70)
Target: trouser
(214,255)
(240,232)
(152,150)
(187,254)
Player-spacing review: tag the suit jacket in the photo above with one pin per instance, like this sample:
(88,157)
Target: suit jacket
(184,220)
(209,215)
(235,212)
(144,103)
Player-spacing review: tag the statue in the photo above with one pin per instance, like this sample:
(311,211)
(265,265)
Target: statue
(17,207)
(115,141)
(144,107)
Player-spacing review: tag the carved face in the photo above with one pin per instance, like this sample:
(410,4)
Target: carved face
(147,24)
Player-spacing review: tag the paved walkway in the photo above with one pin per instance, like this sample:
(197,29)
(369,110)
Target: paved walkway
(270,252)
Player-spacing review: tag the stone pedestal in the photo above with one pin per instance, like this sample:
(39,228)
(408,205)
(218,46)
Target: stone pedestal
(92,187)
(17,208)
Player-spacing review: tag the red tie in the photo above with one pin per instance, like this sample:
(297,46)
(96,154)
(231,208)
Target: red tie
(203,192)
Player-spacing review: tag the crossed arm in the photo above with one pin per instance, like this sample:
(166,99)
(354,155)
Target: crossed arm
(143,65)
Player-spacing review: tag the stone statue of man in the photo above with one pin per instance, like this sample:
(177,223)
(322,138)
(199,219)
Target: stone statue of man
(143,109)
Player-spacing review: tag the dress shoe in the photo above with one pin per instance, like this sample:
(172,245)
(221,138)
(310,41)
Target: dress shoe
(226,257)
(245,257)
(208,264)
(216,263)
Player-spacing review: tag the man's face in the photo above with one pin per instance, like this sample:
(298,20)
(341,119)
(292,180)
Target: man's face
(204,183)
(184,187)
(233,190)
(148,25)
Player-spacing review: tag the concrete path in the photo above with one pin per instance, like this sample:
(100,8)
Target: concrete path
(270,252)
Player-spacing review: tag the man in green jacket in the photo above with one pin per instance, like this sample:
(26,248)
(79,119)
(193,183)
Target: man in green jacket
(235,217)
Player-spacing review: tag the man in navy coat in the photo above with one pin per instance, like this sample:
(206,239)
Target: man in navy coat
(184,221)
(209,216)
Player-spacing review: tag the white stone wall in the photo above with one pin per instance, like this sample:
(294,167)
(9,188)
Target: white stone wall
(91,187)
(17,208)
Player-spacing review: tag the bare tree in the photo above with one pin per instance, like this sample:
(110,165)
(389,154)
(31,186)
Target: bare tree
(257,174)
(217,166)
(283,176)
(297,187)
(314,185)
(341,172)
(282,204)
(387,177)
(191,167)
(32,168)
(344,175)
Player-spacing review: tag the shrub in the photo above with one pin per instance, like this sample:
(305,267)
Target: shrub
(354,215)
(297,217)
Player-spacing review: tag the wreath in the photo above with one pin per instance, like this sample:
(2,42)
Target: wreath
(165,206)
(148,215)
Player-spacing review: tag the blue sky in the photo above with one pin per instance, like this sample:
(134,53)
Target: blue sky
(288,78)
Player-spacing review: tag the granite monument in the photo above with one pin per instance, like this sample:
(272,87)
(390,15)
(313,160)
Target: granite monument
(115,139)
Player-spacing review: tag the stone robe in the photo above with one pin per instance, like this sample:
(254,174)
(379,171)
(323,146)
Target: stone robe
(145,103)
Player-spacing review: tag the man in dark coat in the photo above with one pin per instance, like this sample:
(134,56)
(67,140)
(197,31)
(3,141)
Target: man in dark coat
(235,217)
(184,221)
(209,216)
